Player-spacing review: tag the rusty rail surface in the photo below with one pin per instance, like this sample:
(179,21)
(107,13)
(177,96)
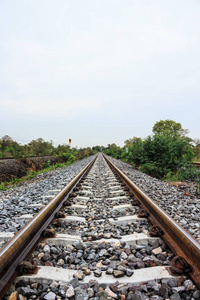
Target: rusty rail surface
(21,245)
(177,238)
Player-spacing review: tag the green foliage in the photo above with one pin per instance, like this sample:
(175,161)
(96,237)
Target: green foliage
(169,128)
(152,169)
(40,147)
(98,148)
(2,187)
(187,172)
(67,157)
(46,164)
(167,154)
(62,149)
(31,174)
(113,150)
(8,147)
(136,152)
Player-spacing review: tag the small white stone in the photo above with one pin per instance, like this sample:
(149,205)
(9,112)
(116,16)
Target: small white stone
(110,293)
(70,292)
(50,296)
(90,292)
(21,297)
(157,250)
(54,284)
(124,255)
(40,255)
(60,262)
(46,248)
(117,243)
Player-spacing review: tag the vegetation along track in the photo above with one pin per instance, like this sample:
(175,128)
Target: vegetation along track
(33,156)
(101,237)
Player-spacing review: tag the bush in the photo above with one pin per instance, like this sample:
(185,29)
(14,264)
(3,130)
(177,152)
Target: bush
(154,169)
(67,157)
(46,164)
(166,155)
(136,154)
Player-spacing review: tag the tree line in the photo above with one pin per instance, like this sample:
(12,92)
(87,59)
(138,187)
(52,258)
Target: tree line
(166,154)
(9,147)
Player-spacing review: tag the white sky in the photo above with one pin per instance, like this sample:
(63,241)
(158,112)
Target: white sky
(98,71)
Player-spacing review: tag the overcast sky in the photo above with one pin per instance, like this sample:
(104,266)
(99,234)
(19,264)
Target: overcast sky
(98,71)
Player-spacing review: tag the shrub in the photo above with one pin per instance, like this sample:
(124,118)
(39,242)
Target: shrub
(166,155)
(67,157)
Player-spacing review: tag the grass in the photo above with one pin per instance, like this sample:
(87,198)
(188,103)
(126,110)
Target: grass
(31,174)
(2,187)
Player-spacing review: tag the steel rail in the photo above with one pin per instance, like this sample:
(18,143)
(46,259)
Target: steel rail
(177,238)
(21,245)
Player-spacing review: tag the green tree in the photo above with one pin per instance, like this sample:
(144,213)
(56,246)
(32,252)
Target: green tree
(10,147)
(113,150)
(40,147)
(137,152)
(97,148)
(169,128)
(62,149)
(6,141)
(165,155)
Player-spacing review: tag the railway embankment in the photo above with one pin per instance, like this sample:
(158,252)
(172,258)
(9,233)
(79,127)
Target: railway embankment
(17,168)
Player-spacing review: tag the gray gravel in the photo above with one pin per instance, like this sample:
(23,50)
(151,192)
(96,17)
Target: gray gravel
(116,259)
(184,209)
(16,201)
(155,290)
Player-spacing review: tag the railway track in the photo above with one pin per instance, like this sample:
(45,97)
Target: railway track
(101,227)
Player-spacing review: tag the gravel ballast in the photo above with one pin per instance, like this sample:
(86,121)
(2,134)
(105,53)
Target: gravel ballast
(94,259)
(17,201)
(180,203)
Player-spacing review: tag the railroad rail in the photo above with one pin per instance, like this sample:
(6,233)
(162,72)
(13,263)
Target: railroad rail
(18,249)
(177,238)
(23,243)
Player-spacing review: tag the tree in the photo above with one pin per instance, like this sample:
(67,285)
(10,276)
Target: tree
(130,142)
(62,149)
(10,147)
(40,147)
(135,153)
(97,148)
(169,128)
(6,141)
(166,155)
(113,150)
